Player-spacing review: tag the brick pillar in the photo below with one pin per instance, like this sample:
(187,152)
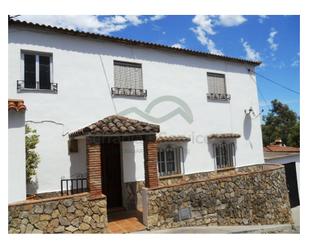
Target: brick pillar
(150,164)
(94,169)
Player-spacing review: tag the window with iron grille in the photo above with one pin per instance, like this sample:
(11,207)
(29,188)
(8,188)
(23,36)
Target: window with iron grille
(37,72)
(224,155)
(217,87)
(170,160)
(128,79)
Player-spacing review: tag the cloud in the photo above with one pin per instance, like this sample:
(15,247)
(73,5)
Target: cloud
(262,18)
(84,23)
(205,27)
(88,23)
(180,43)
(177,45)
(232,20)
(295,62)
(271,39)
(205,23)
(182,40)
(135,20)
(251,54)
(205,41)
(157,17)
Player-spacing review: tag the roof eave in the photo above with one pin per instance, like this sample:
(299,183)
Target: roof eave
(132,42)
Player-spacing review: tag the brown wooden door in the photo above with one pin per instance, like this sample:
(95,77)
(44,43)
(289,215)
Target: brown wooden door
(111,171)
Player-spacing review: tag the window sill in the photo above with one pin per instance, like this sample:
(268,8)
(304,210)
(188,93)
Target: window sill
(171,176)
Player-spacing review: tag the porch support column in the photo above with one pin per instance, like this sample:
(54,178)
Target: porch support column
(150,162)
(94,168)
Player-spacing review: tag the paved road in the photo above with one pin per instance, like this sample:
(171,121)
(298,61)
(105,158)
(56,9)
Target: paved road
(286,228)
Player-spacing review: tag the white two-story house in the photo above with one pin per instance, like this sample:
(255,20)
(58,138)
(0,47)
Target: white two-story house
(114,115)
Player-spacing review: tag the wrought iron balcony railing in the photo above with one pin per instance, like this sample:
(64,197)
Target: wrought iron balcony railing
(118,91)
(219,96)
(21,87)
(73,186)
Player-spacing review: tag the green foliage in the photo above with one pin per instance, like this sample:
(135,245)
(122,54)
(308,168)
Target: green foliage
(32,157)
(281,122)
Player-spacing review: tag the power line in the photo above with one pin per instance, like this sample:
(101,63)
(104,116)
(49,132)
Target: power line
(274,82)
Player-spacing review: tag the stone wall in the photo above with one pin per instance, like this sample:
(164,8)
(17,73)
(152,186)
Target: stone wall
(70,214)
(179,179)
(132,194)
(249,196)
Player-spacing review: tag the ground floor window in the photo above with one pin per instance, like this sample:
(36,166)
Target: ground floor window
(224,155)
(170,160)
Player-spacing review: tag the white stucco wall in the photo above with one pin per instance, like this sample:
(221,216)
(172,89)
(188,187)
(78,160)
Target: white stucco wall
(83,69)
(133,161)
(17,165)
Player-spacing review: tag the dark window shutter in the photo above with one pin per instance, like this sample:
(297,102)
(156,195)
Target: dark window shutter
(44,72)
(29,77)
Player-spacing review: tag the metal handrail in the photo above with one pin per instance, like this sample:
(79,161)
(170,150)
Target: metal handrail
(77,185)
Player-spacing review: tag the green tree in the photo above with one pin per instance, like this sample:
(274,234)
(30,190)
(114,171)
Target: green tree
(32,157)
(281,122)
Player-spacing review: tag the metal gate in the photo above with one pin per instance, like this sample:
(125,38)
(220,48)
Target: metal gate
(291,181)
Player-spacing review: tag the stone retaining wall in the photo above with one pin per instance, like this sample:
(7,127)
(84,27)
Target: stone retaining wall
(244,197)
(179,179)
(70,214)
(132,194)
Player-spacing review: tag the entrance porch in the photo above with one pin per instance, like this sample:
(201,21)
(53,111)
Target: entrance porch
(106,162)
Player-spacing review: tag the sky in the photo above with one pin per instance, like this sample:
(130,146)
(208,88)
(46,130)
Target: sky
(274,40)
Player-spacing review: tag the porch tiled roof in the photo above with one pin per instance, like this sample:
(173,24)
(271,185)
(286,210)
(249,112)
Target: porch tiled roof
(16,105)
(162,139)
(116,125)
(223,135)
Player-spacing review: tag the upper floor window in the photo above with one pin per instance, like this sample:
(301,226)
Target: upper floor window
(224,155)
(36,72)
(217,87)
(170,160)
(128,79)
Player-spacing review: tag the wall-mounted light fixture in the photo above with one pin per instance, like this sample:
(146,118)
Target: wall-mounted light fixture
(249,111)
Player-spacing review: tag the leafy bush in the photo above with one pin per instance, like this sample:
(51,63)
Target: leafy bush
(32,157)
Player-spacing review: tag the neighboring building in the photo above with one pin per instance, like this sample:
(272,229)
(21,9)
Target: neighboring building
(17,159)
(290,158)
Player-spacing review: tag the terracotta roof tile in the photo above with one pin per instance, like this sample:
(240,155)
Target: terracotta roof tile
(223,135)
(116,125)
(280,148)
(16,105)
(162,139)
(131,42)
